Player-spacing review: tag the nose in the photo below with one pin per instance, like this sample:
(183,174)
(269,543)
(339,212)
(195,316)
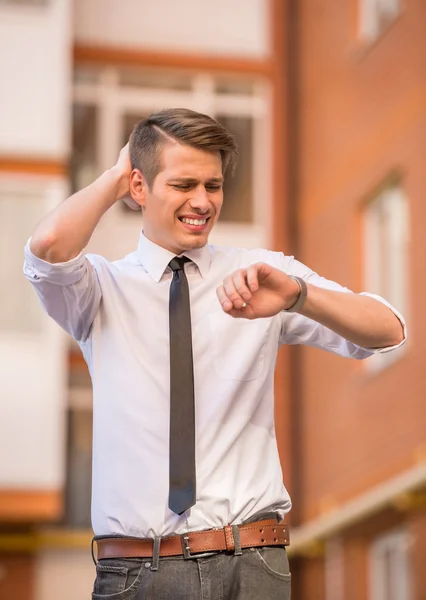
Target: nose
(200,199)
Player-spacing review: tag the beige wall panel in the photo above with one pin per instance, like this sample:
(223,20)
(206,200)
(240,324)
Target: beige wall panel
(33,350)
(35,74)
(68,574)
(235,27)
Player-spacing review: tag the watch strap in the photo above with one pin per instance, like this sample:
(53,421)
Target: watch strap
(302,295)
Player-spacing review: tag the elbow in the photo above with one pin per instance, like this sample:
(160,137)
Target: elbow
(41,246)
(46,248)
(395,338)
(398,332)
(400,337)
(392,331)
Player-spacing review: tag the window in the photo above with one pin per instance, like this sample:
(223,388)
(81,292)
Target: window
(109,101)
(238,190)
(334,569)
(386,254)
(84,167)
(390,577)
(79,468)
(375,16)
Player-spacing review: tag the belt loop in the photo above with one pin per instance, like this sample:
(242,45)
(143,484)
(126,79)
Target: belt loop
(237,541)
(93,554)
(156,553)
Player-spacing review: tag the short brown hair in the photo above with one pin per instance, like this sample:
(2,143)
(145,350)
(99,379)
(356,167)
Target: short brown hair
(185,127)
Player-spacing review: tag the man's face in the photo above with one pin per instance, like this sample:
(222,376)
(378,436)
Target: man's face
(188,188)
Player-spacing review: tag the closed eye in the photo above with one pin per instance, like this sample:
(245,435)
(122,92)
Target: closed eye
(186,187)
(183,187)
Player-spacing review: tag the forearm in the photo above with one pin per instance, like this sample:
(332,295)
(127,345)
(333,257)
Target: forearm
(360,319)
(64,232)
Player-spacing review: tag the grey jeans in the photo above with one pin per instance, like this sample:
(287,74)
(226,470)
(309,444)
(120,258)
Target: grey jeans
(256,573)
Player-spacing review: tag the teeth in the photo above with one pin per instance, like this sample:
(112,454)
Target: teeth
(194,221)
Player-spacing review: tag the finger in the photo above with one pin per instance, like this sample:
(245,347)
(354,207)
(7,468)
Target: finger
(242,313)
(240,282)
(223,299)
(232,292)
(252,277)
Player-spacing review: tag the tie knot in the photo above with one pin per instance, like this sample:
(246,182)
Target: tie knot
(176,264)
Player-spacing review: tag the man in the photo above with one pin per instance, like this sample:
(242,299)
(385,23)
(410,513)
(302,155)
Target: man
(188,498)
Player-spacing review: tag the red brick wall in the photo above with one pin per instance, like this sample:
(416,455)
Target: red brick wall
(310,584)
(16,577)
(362,116)
(355,569)
(309,573)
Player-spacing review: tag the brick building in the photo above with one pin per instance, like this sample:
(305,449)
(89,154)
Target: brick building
(358,131)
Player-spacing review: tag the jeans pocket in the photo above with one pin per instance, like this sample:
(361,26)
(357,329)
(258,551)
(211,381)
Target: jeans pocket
(117,579)
(273,561)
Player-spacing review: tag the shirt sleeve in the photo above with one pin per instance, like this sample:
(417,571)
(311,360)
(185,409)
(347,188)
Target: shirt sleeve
(297,329)
(69,292)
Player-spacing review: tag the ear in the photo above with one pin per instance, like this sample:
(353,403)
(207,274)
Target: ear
(138,187)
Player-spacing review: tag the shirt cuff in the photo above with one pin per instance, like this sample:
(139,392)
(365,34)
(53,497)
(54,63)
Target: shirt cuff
(64,273)
(400,318)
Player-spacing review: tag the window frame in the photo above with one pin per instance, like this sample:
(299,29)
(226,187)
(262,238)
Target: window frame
(334,568)
(375,16)
(395,266)
(395,543)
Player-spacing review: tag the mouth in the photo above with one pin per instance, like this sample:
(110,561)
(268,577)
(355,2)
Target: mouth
(190,224)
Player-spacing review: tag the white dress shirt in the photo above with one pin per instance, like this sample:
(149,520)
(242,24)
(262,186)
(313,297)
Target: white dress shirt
(118,312)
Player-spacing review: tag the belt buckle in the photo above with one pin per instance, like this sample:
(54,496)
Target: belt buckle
(184,539)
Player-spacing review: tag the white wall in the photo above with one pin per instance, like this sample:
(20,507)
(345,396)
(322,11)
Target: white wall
(32,426)
(33,349)
(35,75)
(35,81)
(236,27)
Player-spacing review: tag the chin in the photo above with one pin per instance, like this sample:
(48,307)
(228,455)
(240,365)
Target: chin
(194,243)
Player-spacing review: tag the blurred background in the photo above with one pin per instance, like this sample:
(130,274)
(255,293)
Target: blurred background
(327,99)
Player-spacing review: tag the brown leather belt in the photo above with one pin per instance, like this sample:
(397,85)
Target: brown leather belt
(260,533)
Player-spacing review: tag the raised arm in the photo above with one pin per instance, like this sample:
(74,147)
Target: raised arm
(263,291)
(65,231)
(66,281)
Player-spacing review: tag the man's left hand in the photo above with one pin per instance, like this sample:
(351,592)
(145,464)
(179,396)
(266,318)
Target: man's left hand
(258,291)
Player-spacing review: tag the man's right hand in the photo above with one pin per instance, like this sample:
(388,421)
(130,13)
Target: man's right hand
(66,230)
(124,168)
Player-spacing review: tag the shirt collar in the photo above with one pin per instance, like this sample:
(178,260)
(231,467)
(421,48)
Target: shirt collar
(155,258)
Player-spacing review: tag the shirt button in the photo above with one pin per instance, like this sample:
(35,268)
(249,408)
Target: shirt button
(147,565)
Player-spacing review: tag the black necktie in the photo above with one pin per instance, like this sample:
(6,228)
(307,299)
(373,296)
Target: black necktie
(182,412)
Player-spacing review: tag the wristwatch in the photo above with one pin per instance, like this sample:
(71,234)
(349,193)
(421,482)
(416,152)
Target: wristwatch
(302,295)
